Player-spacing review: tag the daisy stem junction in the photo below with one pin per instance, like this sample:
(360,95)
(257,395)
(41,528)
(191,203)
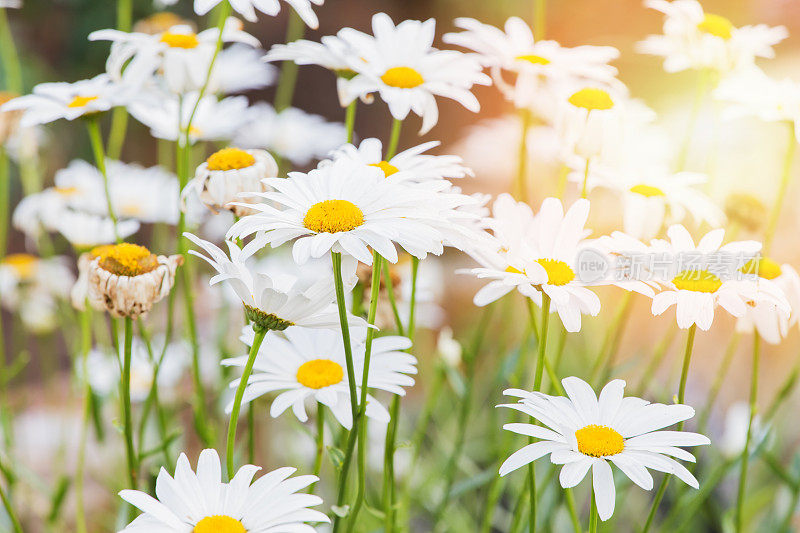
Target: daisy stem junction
(739,522)
(93,125)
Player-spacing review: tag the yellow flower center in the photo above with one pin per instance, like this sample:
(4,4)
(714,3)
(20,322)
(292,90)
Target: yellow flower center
(558,272)
(716,25)
(388,168)
(533,59)
(66,191)
(402,78)
(513,270)
(647,191)
(97,251)
(333,216)
(763,268)
(180,40)
(319,373)
(599,441)
(82,101)
(219,524)
(127,259)
(592,99)
(24,265)
(230,159)
(697,281)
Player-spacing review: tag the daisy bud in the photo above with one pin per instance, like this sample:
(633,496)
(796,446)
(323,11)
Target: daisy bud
(448,348)
(127,279)
(746,210)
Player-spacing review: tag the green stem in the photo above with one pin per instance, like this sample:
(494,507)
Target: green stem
(237,401)
(394,139)
(746,449)
(537,385)
(86,345)
(10,56)
(7,503)
(585,177)
(320,440)
(521,183)
(786,178)
(125,393)
(539,19)
(350,120)
(93,124)
(700,91)
(284,94)
(5,191)
(593,518)
(251,433)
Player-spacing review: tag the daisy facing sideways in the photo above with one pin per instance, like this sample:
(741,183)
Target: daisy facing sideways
(771,321)
(585,432)
(201,502)
(304,364)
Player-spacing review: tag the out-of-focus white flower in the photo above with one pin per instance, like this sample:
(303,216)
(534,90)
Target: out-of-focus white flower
(11,3)
(290,134)
(734,435)
(161,4)
(449,348)
(84,230)
(239,68)
(248,8)
(53,101)
(25,143)
(536,65)
(179,56)
(771,321)
(33,286)
(400,64)
(693,39)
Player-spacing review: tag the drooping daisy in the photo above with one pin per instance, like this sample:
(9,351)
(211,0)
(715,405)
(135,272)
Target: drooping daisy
(535,64)
(228,173)
(274,302)
(53,101)
(310,364)
(33,286)
(200,502)
(127,279)
(693,39)
(586,432)
(291,134)
(771,321)
(346,207)
(699,278)
(247,8)
(401,65)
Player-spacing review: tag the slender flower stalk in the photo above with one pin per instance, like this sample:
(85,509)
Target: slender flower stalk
(539,19)
(8,507)
(93,124)
(394,139)
(521,183)
(593,519)
(320,436)
(537,386)
(86,345)
(9,55)
(237,401)
(739,522)
(786,178)
(350,120)
(284,93)
(586,167)
(701,88)
(127,416)
(5,186)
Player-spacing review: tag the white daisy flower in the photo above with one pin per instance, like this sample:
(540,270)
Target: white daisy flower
(201,503)
(248,8)
(274,302)
(85,230)
(228,173)
(331,53)
(734,432)
(240,68)
(693,39)
(402,66)
(772,322)
(179,56)
(33,286)
(700,284)
(536,64)
(586,432)
(290,134)
(306,363)
(53,101)
(537,254)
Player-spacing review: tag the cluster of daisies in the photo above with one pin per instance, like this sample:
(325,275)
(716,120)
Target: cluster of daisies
(322,264)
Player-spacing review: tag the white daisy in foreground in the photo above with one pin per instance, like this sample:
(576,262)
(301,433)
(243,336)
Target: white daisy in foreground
(693,39)
(703,277)
(53,101)
(310,364)
(200,502)
(586,432)
(226,174)
(247,8)
(345,207)
(402,66)
(771,321)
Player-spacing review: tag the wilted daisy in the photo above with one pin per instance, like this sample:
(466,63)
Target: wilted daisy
(201,503)
(694,39)
(771,321)
(53,101)
(586,432)
(247,8)
(310,364)
(401,65)
(536,64)
(228,173)
(127,279)
(33,286)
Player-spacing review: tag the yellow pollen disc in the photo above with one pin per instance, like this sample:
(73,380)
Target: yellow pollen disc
(764,268)
(319,373)
(647,191)
(697,281)
(180,40)
(388,168)
(513,270)
(66,191)
(81,101)
(592,99)
(558,272)
(716,25)
(599,441)
(333,216)
(402,78)
(23,264)
(219,524)
(230,159)
(534,59)
(126,259)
